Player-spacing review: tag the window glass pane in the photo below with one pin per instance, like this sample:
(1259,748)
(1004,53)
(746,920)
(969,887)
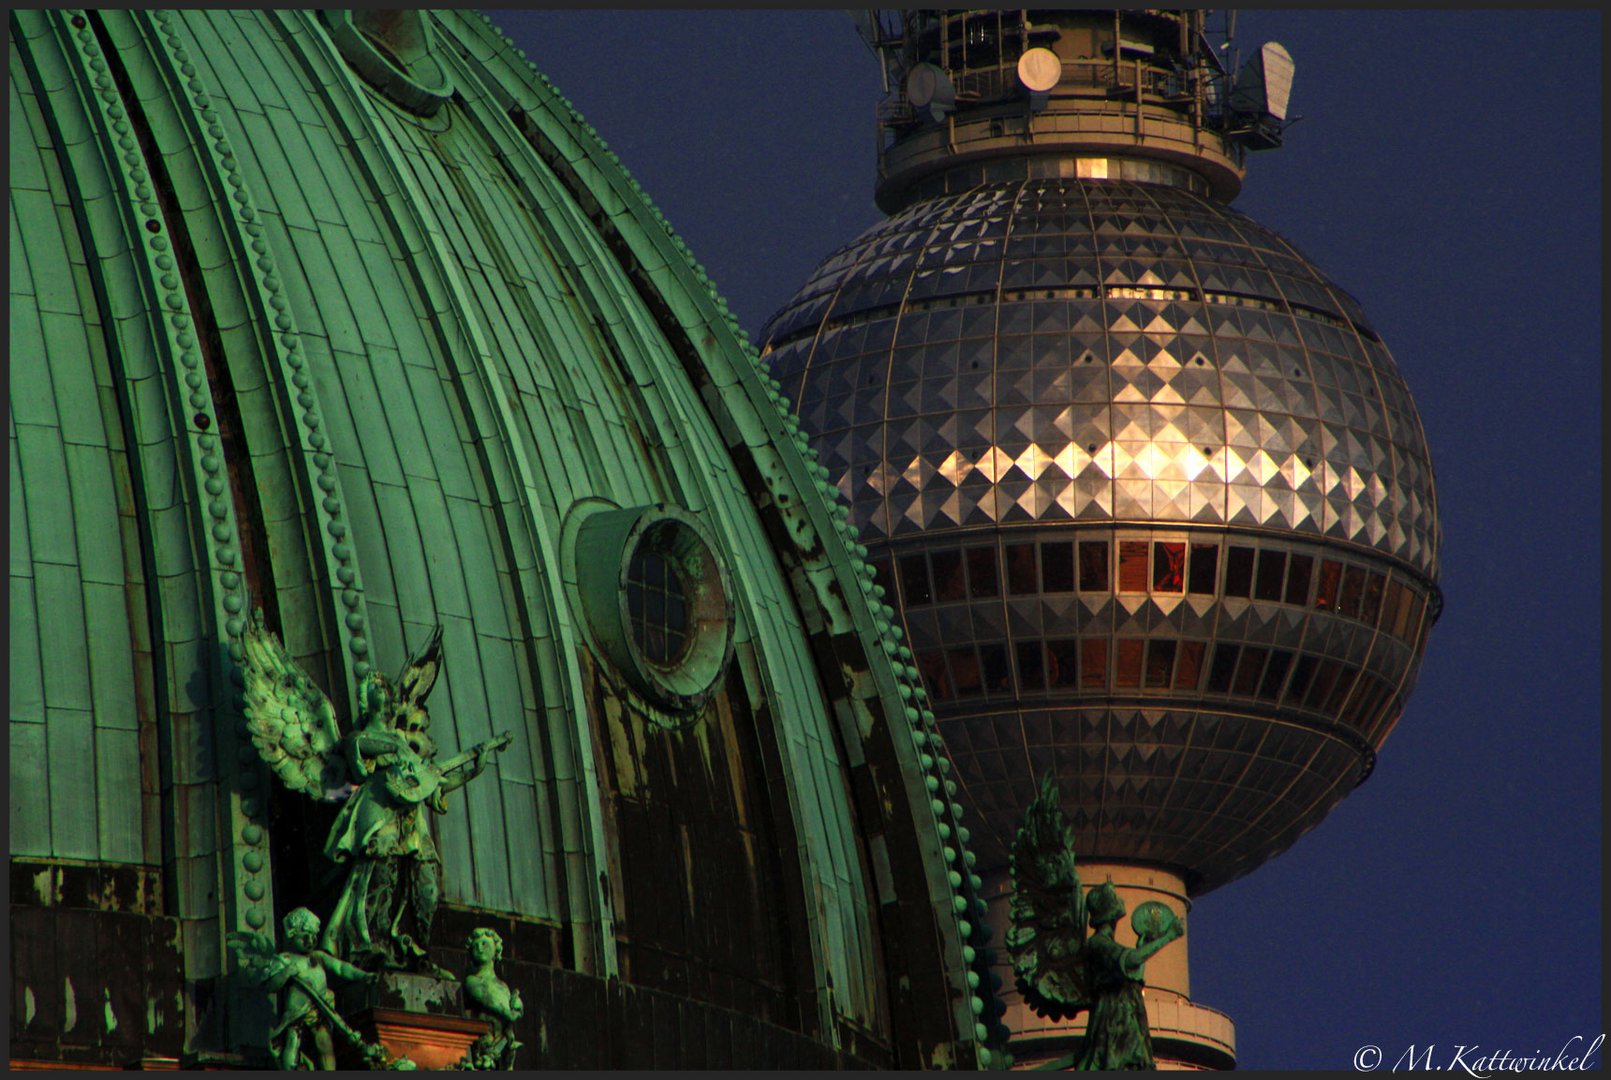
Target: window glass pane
(1413,608)
(1190,668)
(1353,588)
(1204,566)
(1132,566)
(1094,566)
(656,604)
(931,664)
(1395,597)
(914,580)
(949,584)
(1402,621)
(965,672)
(1062,663)
(1364,692)
(1302,674)
(1339,693)
(1168,567)
(1239,571)
(1057,566)
(1379,704)
(982,572)
(1127,671)
(1223,667)
(1021,576)
(1248,671)
(1330,577)
(1372,606)
(1272,569)
(1324,680)
(1275,674)
(1298,579)
(997,675)
(1031,669)
(1160,662)
(1093,663)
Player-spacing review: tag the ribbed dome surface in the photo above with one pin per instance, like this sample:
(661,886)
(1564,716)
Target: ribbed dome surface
(1150,496)
(350,319)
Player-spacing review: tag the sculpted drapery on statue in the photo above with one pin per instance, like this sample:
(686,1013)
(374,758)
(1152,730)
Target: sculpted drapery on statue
(1064,953)
(387,773)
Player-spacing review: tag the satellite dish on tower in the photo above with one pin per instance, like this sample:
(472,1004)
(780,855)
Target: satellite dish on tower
(1264,85)
(929,87)
(1039,70)
(1261,95)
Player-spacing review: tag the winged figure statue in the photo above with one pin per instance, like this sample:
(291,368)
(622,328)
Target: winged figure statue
(385,773)
(301,974)
(1062,945)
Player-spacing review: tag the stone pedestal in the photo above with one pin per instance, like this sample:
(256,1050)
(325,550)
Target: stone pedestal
(416,1016)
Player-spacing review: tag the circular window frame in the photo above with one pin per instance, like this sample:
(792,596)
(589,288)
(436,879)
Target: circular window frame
(604,541)
(411,76)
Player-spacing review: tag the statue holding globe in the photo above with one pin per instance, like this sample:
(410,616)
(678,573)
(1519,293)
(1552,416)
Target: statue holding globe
(1064,952)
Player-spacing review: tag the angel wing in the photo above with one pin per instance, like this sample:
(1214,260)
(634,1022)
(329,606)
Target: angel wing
(293,724)
(1047,938)
(260,964)
(418,676)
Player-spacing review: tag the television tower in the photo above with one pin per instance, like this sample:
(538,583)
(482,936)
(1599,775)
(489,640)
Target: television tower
(1145,488)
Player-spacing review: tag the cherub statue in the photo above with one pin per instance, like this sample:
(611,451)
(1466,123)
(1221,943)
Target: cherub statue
(1063,971)
(491,995)
(387,772)
(308,1009)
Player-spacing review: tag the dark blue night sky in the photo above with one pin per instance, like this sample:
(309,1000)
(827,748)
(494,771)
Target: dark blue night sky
(1447,173)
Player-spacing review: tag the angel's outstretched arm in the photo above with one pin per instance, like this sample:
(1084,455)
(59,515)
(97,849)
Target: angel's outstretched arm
(1140,954)
(467,766)
(343,970)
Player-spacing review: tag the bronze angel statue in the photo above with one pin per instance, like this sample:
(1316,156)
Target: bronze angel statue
(1063,948)
(386,771)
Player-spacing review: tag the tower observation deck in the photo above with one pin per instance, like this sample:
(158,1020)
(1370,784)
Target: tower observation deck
(1145,488)
(990,95)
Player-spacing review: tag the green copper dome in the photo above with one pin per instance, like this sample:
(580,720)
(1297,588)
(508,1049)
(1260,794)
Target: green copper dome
(349,317)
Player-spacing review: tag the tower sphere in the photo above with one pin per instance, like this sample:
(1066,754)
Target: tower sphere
(1146,488)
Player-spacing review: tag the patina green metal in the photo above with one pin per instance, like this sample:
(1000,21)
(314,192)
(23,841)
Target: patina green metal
(395,52)
(354,356)
(492,997)
(386,771)
(1063,949)
(301,1035)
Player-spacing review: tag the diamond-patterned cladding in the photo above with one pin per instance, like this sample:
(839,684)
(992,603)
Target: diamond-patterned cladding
(978,372)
